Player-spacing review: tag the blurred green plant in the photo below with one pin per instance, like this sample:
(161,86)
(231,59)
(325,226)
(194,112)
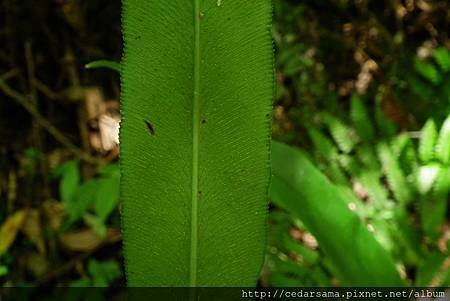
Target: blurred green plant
(100,274)
(351,252)
(93,200)
(398,187)
(428,85)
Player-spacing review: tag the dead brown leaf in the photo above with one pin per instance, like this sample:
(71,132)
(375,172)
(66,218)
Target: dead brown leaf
(87,240)
(9,229)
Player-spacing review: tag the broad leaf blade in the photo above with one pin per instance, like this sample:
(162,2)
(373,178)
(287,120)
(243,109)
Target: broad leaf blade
(300,188)
(195,135)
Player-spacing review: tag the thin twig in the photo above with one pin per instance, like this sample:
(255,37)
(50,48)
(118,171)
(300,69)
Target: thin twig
(37,187)
(10,74)
(43,122)
(414,134)
(46,90)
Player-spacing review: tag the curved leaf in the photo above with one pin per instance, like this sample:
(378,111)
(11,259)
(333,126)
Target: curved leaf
(300,188)
(10,228)
(103,64)
(195,136)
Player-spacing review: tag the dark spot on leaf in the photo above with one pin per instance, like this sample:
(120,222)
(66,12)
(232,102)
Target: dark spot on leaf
(150,128)
(203,121)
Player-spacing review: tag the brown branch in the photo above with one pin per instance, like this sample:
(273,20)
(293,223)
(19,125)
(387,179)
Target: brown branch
(49,93)
(44,123)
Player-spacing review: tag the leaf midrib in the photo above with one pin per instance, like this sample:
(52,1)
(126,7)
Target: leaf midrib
(195,148)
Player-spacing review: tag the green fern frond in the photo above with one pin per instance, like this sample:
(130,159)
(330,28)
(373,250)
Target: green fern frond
(426,177)
(322,144)
(431,270)
(308,256)
(407,237)
(432,215)
(349,164)
(340,133)
(376,191)
(428,136)
(441,186)
(442,57)
(420,87)
(368,157)
(434,207)
(394,175)
(383,233)
(405,153)
(443,142)
(335,173)
(408,160)
(360,119)
(399,143)
(427,71)
(385,126)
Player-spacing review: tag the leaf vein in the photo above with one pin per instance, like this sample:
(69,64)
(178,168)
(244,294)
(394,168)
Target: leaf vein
(195,148)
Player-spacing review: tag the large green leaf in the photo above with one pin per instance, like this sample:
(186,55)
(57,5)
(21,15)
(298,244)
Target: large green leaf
(357,258)
(195,136)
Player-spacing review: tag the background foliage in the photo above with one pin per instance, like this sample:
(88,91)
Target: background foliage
(363,90)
